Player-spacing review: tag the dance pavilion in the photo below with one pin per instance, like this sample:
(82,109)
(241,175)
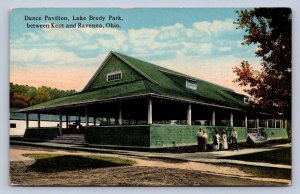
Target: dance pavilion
(132,103)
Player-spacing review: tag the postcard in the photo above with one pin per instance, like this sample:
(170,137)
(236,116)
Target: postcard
(150,97)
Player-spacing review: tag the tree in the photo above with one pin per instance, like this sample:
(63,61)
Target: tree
(270,30)
(18,99)
(41,95)
(23,95)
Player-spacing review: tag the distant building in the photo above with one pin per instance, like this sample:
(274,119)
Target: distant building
(139,104)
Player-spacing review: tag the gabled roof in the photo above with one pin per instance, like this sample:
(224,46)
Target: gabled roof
(157,81)
(166,85)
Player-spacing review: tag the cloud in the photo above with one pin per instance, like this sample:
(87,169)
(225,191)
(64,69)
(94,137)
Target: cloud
(202,38)
(215,26)
(186,48)
(49,57)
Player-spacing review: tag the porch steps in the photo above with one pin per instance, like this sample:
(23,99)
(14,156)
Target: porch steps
(77,139)
(256,138)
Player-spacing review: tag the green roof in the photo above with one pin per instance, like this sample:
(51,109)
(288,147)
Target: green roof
(156,81)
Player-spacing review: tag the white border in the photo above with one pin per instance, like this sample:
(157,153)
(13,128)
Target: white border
(5,5)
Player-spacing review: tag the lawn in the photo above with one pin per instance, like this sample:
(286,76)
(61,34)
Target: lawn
(277,156)
(61,162)
(263,172)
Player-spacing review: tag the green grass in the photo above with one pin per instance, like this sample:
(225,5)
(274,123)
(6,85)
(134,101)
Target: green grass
(264,144)
(263,172)
(61,162)
(277,156)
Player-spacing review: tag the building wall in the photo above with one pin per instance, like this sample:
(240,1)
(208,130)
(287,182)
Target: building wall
(274,133)
(183,135)
(153,136)
(137,136)
(45,133)
(21,126)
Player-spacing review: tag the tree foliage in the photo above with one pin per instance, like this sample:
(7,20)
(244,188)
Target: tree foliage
(271,30)
(23,95)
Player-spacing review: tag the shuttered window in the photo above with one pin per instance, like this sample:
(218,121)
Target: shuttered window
(191,84)
(113,76)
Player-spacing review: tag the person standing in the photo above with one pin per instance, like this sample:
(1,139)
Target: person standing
(224,140)
(216,141)
(204,142)
(199,135)
(234,140)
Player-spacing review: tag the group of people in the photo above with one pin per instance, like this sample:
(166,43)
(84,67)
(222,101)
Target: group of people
(219,142)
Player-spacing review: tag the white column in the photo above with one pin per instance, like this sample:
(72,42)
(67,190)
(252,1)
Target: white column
(39,120)
(189,115)
(246,120)
(86,117)
(257,122)
(286,123)
(67,121)
(213,118)
(120,114)
(267,123)
(27,120)
(275,121)
(60,122)
(231,119)
(149,111)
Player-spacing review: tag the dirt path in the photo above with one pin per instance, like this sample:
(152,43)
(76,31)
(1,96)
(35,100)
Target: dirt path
(17,152)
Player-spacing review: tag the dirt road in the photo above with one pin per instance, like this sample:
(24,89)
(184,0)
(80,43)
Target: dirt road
(146,172)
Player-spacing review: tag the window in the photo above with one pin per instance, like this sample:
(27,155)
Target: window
(13,125)
(246,100)
(191,84)
(113,76)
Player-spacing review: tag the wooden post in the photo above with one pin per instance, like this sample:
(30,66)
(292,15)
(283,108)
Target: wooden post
(86,117)
(267,123)
(39,120)
(257,122)
(27,120)
(149,111)
(60,122)
(231,119)
(213,118)
(120,114)
(67,121)
(189,115)
(246,120)
(95,121)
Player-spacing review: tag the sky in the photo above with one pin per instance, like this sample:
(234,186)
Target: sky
(199,42)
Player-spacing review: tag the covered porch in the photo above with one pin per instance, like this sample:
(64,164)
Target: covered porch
(152,121)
